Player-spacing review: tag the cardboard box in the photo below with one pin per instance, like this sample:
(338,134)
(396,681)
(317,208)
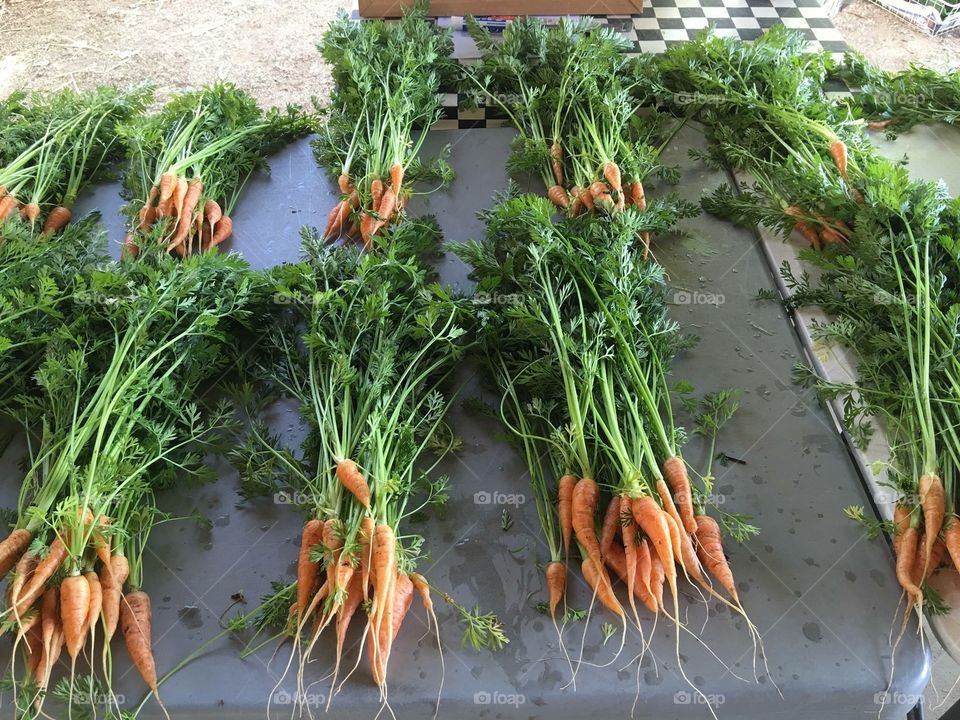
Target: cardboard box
(442,8)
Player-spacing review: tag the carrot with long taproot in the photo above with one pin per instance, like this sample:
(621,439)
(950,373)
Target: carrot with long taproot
(556,574)
(617,562)
(657,578)
(168,182)
(384,570)
(648,515)
(21,573)
(638,197)
(905,564)
(307,569)
(30,212)
(601,587)
(710,552)
(13,547)
(179,193)
(376,193)
(675,472)
(388,206)
(901,521)
(365,551)
(136,624)
(923,567)
(565,510)
(343,182)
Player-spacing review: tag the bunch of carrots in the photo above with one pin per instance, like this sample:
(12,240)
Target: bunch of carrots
(62,141)
(581,360)
(888,268)
(112,415)
(189,163)
(365,350)
(386,96)
(573,95)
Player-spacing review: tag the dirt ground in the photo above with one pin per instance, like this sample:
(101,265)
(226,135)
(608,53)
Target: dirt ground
(891,43)
(266,47)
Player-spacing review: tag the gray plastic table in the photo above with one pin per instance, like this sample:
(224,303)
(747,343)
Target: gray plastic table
(823,595)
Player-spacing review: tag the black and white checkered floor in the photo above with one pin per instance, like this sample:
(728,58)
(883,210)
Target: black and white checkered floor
(664,23)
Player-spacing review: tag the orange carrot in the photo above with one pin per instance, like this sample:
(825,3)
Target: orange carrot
(637,197)
(307,570)
(932,502)
(577,207)
(879,124)
(50,633)
(921,569)
(146,218)
(905,562)
(829,236)
(648,515)
(74,605)
(585,496)
(586,199)
(7,205)
(556,573)
(135,622)
(901,521)
(367,528)
(388,205)
(384,571)
(130,247)
(12,548)
(34,644)
(347,610)
(179,193)
(565,510)
(43,572)
(618,562)
(96,604)
(30,212)
(600,586)
(376,193)
(343,182)
(611,524)
(598,190)
(21,573)
(611,172)
(332,543)
(809,233)
(628,534)
(558,196)
(675,472)
(556,162)
(335,220)
(57,219)
(111,585)
(223,230)
(644,569)
(838,151)
(710,552)
(168,182)
(657,576)
(212,212)
(396,178)
(352,479)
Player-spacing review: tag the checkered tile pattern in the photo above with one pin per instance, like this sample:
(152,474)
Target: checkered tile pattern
(664,23)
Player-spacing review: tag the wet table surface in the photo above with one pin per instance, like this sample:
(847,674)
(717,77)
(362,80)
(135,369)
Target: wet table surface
(823,595)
